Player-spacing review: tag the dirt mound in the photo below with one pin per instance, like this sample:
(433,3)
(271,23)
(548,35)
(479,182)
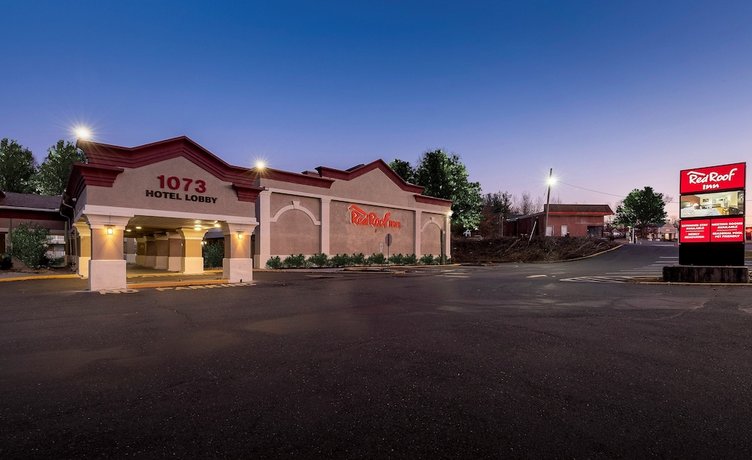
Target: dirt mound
(521,250)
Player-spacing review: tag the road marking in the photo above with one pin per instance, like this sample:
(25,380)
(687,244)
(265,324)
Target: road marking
(202,286)
(537,276)
(598,279)
(117,291)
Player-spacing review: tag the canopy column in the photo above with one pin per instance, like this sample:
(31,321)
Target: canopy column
(237,266)
(107,264)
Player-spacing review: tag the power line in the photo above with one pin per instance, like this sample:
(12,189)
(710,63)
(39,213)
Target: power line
(602,193)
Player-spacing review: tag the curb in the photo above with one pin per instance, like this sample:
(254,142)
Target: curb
(161,284)
(39,277)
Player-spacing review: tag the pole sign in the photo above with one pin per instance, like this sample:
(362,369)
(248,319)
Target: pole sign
(711,212)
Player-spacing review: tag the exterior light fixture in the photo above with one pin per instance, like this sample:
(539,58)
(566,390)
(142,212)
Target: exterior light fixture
(82,133)
(197,227)
(110,231)
(128,230)
(216,225)
(240,235)
(138,228)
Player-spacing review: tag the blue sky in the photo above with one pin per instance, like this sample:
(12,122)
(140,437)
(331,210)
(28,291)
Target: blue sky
(611,95)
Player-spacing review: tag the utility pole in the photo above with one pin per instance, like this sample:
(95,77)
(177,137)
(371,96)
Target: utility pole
(550,181)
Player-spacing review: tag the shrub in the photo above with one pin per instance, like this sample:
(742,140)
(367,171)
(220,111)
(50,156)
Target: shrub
(397,259)
(340,260)
(427,259)
(318,260)
(294,261)
(358,259)
(6,263)
(29,244)
(376,259)
(410,259)
(213,252)
(274,263)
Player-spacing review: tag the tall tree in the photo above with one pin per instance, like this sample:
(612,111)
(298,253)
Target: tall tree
(54,171)
(496,207)
(404,170)
(445,176)
(641,208)
(526,205)
(17,167)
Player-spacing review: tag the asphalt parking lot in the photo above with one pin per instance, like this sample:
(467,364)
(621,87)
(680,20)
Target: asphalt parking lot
(539,360)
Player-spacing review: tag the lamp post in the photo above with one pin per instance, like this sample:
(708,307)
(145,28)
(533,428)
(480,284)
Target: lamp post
(551,181)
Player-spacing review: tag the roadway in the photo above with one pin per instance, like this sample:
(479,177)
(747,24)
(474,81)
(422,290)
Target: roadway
(516,360)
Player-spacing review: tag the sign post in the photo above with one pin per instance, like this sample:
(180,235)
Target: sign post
(388,241)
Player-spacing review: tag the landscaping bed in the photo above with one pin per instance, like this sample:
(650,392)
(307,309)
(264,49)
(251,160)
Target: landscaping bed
(514,249)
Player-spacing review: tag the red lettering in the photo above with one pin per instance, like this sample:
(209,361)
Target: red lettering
(359,217)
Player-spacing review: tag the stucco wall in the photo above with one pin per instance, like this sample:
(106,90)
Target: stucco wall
(294,233)
(346,237)
(132,190)
(430,239)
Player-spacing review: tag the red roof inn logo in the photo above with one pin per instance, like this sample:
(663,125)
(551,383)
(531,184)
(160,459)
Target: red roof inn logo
(713,178)
(359,217)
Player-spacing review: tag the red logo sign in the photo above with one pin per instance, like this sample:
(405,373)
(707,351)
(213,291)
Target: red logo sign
(713,178)
(727,230)
(694,231)
(360,217)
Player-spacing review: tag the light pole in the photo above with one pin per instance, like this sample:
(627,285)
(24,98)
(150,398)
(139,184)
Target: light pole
(551,181)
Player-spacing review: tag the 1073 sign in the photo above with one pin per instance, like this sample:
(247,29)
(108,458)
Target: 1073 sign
(185,183)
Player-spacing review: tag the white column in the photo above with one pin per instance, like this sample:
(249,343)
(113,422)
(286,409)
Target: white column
(448,234)
(418,232)
(107,264)
(237,265)
(193,260)
(263,236)
(175,256)
(162,242)
(325,224)
(84,249)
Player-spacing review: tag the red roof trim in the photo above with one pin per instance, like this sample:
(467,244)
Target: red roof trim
(360,170)
(432,200)
(295,178)
(104,156)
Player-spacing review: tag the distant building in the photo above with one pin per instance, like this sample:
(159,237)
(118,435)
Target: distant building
(40,210)
(563,219)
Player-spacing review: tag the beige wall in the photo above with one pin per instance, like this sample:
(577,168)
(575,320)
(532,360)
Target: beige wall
(430,239)
(295,233)
(346,237)
(130,191)
(280,201)
(106,247)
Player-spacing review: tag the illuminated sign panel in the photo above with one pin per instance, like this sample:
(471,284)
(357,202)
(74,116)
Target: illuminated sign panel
(711,207)
(713,178)
(694,231)
(712,204)
(727,230)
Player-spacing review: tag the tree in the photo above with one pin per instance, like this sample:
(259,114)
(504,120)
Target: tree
(526,205)
(54,171)
(404,170)
(444,176)
(496,207)
(17,167)
(641,208)
(29,244)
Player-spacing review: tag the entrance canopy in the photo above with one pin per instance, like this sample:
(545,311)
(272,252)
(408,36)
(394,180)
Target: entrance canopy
(169,194)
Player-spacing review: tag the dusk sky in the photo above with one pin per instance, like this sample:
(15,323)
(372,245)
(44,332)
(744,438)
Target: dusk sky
(612,95)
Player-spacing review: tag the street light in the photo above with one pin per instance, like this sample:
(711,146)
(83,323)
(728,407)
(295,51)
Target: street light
(551,181)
